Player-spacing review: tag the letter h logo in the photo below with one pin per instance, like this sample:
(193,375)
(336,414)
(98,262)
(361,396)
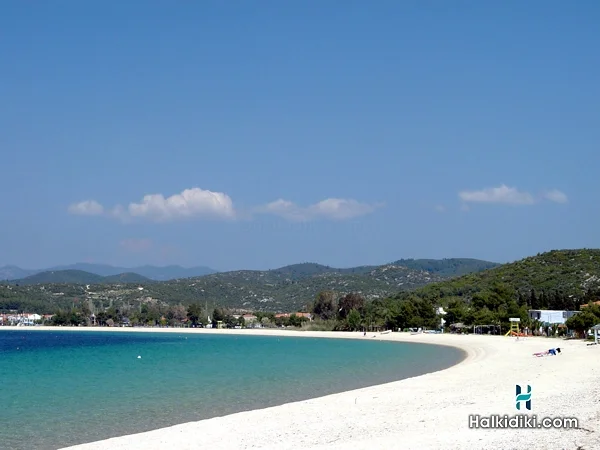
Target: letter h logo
(524,397)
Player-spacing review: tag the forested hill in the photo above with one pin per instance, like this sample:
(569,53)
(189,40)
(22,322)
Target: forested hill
(280,290)
(450,267)
(561,278)
(79,277)
(390,296)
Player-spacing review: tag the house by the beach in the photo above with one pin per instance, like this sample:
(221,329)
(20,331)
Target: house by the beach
(23,319)
(298,314)
(249,318)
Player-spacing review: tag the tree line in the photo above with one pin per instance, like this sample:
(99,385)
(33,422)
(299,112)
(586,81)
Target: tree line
(493,305)
(157,314)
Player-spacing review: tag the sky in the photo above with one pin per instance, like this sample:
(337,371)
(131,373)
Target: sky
(255,134)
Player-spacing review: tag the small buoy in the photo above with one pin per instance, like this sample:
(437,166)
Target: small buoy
(139,357)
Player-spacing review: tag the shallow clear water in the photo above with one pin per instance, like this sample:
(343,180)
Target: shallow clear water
(61,388)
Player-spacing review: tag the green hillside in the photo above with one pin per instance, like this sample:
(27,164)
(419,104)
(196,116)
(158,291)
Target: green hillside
(303,270)
(78,277)
(128,277)
(390,296)
(284,290)
(60,276)
(559,279)
(566,272)
(450,267)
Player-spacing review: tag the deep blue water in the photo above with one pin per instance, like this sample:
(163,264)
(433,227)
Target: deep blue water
(61,388)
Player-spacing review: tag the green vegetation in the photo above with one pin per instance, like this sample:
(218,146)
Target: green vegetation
(560,280)
(451,267)
(568,272)
(383,297)
(249,290)
(79,277)
(152,272)
(287,289)
(586,319)
(60,276)
(44,299)
(127,277)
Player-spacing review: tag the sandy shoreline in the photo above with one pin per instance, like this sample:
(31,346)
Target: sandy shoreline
(426,412)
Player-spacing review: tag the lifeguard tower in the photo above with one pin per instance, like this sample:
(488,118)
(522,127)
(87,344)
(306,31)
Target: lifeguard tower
(514,327)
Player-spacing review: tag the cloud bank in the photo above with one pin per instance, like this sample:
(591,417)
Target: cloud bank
(204,204)
(331,208)
(510,196)
(193,202)
(87,208)
(556,196)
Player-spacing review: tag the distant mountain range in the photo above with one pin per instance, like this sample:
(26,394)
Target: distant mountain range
(86,273)
(80,277)
(254,285)
(553,275)
(149,272)
(283,289)
(449,267)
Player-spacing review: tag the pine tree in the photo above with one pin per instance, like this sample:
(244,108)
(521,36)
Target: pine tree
(533,301)
(521,300)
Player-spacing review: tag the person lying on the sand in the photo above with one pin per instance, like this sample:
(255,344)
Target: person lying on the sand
(552,351)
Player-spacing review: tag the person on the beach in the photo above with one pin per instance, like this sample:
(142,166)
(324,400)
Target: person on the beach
(552,351)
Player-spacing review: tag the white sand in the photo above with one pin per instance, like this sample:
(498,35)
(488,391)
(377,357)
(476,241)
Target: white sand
(426,412)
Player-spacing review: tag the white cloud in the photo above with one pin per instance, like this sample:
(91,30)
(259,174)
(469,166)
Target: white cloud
(201,203)
(191,202)
(556,196)
(510,196)
(501,194)
(331,208)
(87,208)
(284,209)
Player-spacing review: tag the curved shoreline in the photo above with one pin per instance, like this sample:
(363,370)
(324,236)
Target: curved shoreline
(429,411)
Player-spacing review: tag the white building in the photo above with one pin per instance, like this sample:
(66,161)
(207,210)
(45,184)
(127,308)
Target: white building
(551,316)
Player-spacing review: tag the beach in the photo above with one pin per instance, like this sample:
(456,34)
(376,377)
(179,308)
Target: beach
(425,412)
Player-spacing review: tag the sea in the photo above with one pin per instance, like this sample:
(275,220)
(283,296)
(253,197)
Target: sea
(62,388)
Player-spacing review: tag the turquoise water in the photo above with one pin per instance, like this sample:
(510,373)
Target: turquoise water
(61,388)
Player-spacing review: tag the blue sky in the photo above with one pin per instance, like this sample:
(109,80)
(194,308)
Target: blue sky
(258,134)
